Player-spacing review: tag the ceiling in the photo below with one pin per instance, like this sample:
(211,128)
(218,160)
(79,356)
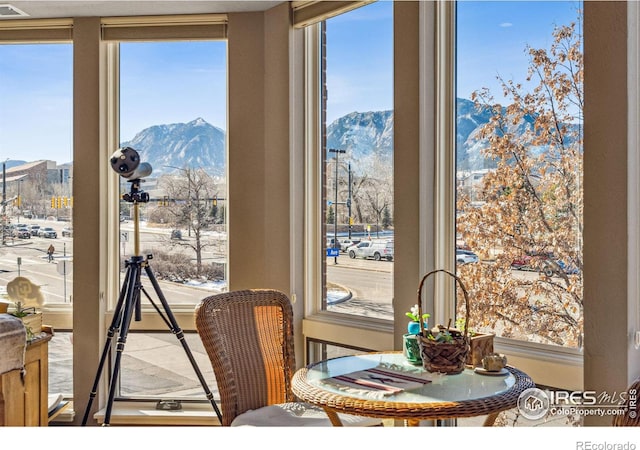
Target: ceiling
(77,8)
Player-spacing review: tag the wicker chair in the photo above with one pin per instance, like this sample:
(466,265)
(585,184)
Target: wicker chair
(629,418)
(248,336)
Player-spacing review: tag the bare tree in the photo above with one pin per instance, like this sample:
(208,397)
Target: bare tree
(190,196)
(530,206)
(378,190)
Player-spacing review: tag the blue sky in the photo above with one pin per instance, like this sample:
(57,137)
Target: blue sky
(174,82)
(492,38)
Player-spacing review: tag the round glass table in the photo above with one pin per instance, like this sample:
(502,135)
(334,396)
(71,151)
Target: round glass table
(386,386)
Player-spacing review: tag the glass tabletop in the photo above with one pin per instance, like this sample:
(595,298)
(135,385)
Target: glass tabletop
(389,377)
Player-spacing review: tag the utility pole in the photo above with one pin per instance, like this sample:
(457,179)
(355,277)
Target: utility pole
(335,219)
(349,201)
(4,202)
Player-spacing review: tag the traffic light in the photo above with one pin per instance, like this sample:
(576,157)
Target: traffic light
(215,201)
(350,220)
(64,201)
(53,202)
(59,202)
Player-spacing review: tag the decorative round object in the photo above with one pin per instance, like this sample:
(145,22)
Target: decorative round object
(413,327)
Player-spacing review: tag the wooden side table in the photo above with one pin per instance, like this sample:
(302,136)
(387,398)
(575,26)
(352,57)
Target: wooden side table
(24,400)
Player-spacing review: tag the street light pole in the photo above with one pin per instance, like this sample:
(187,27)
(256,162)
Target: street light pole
(19,201)
(349,201)
(4,201)
(335,208)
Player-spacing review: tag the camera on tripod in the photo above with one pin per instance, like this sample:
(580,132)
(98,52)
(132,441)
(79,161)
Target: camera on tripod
(126,163)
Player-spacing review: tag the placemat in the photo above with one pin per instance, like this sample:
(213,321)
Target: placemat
(377,381)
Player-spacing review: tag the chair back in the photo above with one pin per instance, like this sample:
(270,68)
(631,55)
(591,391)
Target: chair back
(248,336)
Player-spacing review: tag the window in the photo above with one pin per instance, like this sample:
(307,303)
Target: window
(357,162)
(518,175)
(173,114)
(349,177)
(37,196)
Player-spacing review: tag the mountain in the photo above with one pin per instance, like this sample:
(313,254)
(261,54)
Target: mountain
(468,123)
(362,134)
(196,144)
(366,137)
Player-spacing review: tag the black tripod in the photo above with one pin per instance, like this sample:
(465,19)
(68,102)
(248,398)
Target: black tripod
(128,303)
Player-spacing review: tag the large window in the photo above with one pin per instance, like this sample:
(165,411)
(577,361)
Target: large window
(356,159)
(173,113)
(36,153)
(519,203)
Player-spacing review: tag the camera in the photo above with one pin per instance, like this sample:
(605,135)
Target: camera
(126,163)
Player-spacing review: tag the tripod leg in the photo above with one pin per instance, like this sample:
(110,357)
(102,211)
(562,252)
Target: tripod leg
(132,298)
(113,328)
(175,329)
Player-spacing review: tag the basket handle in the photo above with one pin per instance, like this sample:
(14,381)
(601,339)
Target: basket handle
(464,292)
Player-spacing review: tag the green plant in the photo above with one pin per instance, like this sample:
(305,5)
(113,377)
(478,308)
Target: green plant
(460,326)
(22,310)
(414,315)
(444,334)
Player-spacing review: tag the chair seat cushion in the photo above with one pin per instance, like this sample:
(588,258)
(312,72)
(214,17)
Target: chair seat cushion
(297,414)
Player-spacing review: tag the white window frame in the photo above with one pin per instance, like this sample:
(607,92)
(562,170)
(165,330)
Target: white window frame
(151,320)
(337,328)
(546,364)
(40,32)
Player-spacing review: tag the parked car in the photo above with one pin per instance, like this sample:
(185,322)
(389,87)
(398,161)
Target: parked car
(47,232)
(176,234)
(67,232)
(544,263)
(553,267)
(521,263)
(466,256)
(333,243)
(376,249)
(346,243)
(342,243)
(34,229)
(22,232)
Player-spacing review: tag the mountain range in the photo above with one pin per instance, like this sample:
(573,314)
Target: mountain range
(365,136)
(179,145)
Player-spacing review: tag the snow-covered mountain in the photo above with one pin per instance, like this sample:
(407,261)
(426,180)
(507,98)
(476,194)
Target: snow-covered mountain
(196,144)
(366,137)
(362,134)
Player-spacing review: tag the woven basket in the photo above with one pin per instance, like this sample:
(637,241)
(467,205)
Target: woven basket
(444,357)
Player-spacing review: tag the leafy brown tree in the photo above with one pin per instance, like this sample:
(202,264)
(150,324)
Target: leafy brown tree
(529,208)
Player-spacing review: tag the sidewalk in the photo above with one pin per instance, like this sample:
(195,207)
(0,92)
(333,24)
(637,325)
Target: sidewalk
(337,294)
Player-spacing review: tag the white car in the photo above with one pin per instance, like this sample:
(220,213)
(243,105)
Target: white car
(344,243)
(47,232)
(466,257)
(376,249)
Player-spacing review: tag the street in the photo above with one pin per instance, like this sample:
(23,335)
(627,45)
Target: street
(369,282)
(58,287)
